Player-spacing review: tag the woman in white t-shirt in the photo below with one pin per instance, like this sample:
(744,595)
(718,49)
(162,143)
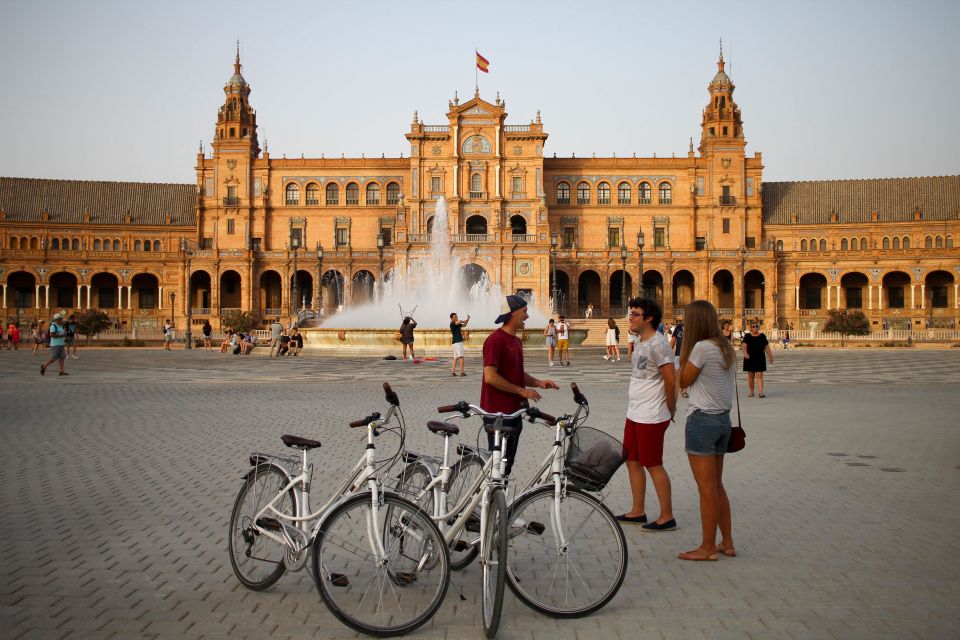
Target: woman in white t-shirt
(708,372)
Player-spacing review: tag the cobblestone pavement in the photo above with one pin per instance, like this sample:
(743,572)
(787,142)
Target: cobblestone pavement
(116,485)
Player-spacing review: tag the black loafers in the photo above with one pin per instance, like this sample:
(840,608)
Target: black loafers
(669,525)
(632,519)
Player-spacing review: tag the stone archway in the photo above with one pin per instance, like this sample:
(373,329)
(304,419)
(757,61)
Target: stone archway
(363,287)
(63,290)
(754,292)
(588,291)
(200,292)
(145,291)
(651,286)
(683,290)
(812,287)
(230,288)
(621,290)
(304,289)
(852,287)
(722,293)
(473,275)
(271,294)
(21,290)
(331,291)
(561,290)
(476,225)
(103,289)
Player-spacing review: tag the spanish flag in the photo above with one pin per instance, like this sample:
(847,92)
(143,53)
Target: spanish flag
(482,63)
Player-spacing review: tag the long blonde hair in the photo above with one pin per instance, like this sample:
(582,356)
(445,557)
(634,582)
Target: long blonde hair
(700,322)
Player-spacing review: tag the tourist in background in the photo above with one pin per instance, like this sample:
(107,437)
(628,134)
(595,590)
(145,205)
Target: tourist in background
(207,333)
(406,336)
(13,337)
(588,314)
(37,331)
(276,331)
(58,352)
(296,342)
(651,404)
(612,340)
(563,340)
(70,337)
(284,349)
(708,370)
(726,328)
(167,334)
(551,339)
(756,350)
(456,340)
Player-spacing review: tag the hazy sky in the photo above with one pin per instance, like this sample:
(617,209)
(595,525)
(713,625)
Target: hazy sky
(125,90)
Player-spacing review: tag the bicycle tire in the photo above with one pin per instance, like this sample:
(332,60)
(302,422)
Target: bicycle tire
(534,554)
(242,536)
(344,567)
(495,549)
(462,475)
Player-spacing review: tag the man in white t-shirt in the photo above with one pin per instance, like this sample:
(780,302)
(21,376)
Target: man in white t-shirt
(652,401)
(563,340)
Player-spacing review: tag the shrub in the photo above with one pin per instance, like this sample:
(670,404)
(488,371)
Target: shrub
(242,321)
(92,322)
(847,322)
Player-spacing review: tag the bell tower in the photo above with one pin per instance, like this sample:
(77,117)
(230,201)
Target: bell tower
(236,121)
(721,119)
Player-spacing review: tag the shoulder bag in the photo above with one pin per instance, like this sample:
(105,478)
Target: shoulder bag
(738,438)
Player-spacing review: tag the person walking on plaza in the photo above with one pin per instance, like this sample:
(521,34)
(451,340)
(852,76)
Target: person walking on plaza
(406,336)
(613,341)
(13,337)
(651,404)
(70,338)
(755,346)
(58,352)
(456,337)
(36,330)
(708,369)
(551,337)
(207,333)
(167,334)
(276,330)
(505,385)
(726,328)
(563,340)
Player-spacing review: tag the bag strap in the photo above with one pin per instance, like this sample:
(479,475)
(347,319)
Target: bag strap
(736,392)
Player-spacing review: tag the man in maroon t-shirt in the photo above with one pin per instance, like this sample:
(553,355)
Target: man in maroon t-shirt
(505,384)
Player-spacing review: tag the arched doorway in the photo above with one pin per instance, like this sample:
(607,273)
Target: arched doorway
(103,288)
(471,274)
(331,291)
(812,286)
(271,294)
(430,226)
(722,293)
(561,290)
(145,291)
(852,288)
(939,295)
(652,286)
(21,290)
(754,289)
(304,289)
(200,287)
(476,225)
(230,299)
(363,283)
(63,290)
(621,290)
(588,291)
(683,292)
(896,290)
(518,225)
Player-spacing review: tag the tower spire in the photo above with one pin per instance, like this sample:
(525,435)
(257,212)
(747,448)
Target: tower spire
(236,62)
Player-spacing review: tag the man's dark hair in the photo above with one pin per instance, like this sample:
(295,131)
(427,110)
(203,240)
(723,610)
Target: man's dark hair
(650,308)
(453,314)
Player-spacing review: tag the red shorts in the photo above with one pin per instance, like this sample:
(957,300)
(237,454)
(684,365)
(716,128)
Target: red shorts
(643,442)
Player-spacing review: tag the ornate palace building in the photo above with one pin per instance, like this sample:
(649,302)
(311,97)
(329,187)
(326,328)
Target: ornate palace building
(280,236)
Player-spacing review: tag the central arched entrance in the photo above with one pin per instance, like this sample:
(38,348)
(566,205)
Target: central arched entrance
(304,289)
(588,292)
(560,290)
(271,294)
(230,291)
(331,291)
(472,274)
(363,283)
(200,292)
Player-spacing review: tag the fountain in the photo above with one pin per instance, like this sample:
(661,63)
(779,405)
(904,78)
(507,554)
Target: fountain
(428,288)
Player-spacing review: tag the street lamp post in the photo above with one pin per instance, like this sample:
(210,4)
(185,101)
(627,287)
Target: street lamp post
(380,253)
(295,245)
(319,278)
(187,337)
(776,318)
(554,241)
(743,296)
(623,276)
(641,241)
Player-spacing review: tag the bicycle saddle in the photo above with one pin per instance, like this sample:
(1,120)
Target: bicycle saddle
(436,426)
(300,443)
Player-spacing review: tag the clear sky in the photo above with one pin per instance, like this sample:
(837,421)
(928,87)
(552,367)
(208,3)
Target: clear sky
(125,90)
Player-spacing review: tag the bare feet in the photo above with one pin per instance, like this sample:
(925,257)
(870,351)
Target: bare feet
(697,555)
(727,550)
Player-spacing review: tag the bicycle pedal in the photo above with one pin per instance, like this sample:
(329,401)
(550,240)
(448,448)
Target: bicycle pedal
(270,524)
(404,577)
(461,545)
(339,580)
(536,528)
(473,524)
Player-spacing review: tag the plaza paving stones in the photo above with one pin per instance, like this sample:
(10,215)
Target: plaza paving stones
(116,485)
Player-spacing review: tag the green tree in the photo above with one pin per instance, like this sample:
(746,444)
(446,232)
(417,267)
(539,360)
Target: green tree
(92,322)
(241,321)
(847,322)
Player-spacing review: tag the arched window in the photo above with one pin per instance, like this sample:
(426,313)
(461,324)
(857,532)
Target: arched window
(823,246)
(623,193)
(293,194)
(156,245)
(55,244)
(353,193)
(96,245)
(583,193)
(803,245)
(939,242)
(886,243)
(949,242)
(116,245)
(603,193)
(137,246)
(14,243)
(75,245)
(643,193)
(863,244)
(333,193)
(476,144)
(779,245)
(373,193)
(476,186)
(393,193)
(896,243)
(313,194)
(146,245)
(853,244)
(906,242)
(563,193)
(666,193)
(65,244)
(928,242)
(843,245)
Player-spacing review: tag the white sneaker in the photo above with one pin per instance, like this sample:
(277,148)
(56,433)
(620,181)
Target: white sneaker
(606,357)
(551,364)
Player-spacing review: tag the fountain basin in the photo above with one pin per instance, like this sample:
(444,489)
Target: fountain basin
(427,342)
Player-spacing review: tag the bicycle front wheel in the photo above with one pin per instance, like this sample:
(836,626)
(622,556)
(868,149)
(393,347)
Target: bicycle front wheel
(571,575)
(257,559)
(465,548)
(495,541)
(377,596)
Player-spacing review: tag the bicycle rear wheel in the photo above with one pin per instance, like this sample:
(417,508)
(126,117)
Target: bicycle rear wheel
(495,541)
(257,559)
(571,580)
(463,474)
(380,598)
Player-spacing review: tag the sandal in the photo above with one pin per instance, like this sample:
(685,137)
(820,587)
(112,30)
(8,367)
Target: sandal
(762,396)
(750,395)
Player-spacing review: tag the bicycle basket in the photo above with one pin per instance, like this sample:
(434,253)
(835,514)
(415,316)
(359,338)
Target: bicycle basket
(592,458)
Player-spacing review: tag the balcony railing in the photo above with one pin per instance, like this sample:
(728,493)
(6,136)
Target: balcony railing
(563,200)
(373,201)
(472,237)
(273,312)
(524,237)
(333,201)
(643,200)
(436,128)
(666,200)
(353,201)
(231,202)
(520,128)
(225,310)
(393,199)
(623,200)
(755,312)
(725,312)
(200,311)
(313,202)
(418,237)
(518,195)
(583,200)
(728,200)
(478,195)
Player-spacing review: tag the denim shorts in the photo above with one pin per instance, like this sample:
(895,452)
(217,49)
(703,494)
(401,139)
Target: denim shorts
(707,434)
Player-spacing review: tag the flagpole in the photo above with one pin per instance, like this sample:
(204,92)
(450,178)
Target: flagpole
(476,74)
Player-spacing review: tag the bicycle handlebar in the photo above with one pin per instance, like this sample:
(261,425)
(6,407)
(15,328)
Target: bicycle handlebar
(362,422)
(390,395)
(535,413)
(578,397)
